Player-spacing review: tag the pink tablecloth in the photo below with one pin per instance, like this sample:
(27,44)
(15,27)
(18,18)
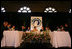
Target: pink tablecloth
(11,38)
(60,39)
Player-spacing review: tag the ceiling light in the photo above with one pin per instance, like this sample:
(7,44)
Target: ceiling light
(19,10)
(50,11)
(3,11)
(25,7)
(53,9)
(24,11)
(2,8)
(70,11)
(29,11)
(28,8)
(47,9)
(50,8)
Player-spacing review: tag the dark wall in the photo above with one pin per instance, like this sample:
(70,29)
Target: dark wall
(50,19)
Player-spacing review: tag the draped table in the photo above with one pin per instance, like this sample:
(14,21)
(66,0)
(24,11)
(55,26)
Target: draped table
(11,38)
(60,39)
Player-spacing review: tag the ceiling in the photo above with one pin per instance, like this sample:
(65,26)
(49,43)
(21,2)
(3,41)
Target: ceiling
(36,6)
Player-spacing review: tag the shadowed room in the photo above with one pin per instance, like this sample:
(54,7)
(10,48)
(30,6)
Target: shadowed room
(36,24)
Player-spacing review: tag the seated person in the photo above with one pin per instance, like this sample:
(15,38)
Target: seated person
(23,28)
(42,29)
(9,26)
(13,28)
(62,28)
(47,30)
(58,29)
(66,27)
(28,30)
(3,27)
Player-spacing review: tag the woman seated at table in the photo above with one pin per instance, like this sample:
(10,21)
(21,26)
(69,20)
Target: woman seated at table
(9,26)
(42,29)
(23,28)
(61,28)
(3,28)
(13,28)
(47,30)
(58,29)
(28,30)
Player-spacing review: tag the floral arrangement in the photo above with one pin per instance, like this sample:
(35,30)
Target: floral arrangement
(27,37)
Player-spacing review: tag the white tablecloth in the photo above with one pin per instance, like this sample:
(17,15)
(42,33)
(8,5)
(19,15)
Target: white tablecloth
(60,39)
(11,38)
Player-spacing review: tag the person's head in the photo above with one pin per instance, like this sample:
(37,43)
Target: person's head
(5,23)
(66,25)
(28,27)
(61,25)
(57,27)
(23,27)
(46,28)
(9,25)
(13,27)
